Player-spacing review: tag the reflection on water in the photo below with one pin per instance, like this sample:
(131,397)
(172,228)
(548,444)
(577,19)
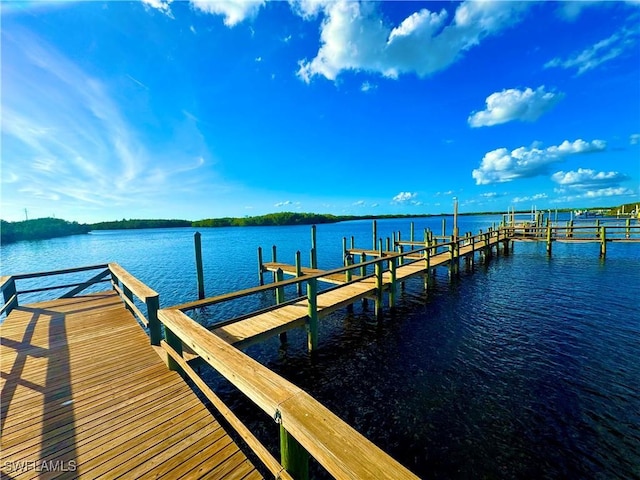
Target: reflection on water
(525,368)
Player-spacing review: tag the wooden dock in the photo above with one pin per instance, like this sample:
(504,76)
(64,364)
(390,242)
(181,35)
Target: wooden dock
(390,267)
(85,395)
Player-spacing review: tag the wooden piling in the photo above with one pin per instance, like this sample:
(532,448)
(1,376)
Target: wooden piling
(375,235)
(444,226)
(199,270)
(628,229)
(293,457)
(260,267)
(312,314)
(280,299)
(379,284)
(549,240)
(603,241)
(274,259)
(392,288)
(314,248)
(412,231)
(298,273)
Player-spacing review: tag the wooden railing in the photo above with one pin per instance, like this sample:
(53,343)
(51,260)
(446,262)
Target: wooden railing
(306,426)
(121,280)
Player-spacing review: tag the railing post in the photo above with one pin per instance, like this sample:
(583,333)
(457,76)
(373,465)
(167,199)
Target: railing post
(312,322)
(8,292)
(603,241)
(378,306)
(347,262)
(260,267)
(199,271)
(129,295)
(155,334)
(174,342)
(298,273)
(293,457)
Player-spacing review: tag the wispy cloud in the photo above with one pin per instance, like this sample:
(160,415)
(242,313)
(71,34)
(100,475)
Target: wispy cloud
(67,140)
(599,53)
(585,178)
(634,139)
(512,104)
(502,165)
(532,198)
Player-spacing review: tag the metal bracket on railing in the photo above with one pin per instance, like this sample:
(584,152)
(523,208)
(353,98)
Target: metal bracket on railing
(277,417)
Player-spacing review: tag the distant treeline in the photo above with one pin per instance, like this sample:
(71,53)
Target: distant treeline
(137,224)
(281,218)
(39,229)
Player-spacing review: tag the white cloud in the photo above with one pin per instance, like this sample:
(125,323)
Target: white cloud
(355,36)
(507,105)
(233,11)
(163,5)
(283,204)
(366,86)
(501,165)
(598,193)
(585,178)
(601,52)
(634,139)
(533,198)
(359,203)
(403,197)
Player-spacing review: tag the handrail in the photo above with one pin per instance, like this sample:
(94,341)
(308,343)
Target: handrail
(341,450)
(132,286)
(23,276)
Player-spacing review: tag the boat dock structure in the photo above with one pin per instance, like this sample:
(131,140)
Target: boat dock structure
(106,384)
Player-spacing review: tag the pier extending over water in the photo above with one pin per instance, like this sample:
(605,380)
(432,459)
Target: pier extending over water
(83,386)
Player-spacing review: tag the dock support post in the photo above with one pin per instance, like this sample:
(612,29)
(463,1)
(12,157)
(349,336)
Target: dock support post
(375,235)
(312,312)
(388,244)
(628,229)
(274,259)
(570,232)
(298,273)
(603,241)
(155,334)
(412,231)
(280,299)
(314,248)
(260,267)
(378,307)
(363,273)
(548,237)
(293,457)
(427,264)
(392,287)
(444,226)
(198,245)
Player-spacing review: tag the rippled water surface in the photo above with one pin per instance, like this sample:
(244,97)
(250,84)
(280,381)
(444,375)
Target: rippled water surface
(526,367)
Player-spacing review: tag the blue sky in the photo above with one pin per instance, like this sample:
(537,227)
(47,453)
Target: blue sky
(158,109)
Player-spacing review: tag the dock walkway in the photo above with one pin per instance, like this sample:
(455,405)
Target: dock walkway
(85,394)
(267,324)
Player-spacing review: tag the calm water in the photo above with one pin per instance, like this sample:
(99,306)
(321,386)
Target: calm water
(525,368)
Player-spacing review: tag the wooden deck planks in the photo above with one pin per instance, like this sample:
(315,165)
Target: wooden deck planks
(266,325)
(80,383)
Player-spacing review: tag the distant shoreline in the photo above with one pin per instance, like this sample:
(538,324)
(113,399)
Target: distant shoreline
(46,228)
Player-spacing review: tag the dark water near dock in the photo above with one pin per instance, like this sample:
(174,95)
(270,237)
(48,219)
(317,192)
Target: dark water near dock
(526,368)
